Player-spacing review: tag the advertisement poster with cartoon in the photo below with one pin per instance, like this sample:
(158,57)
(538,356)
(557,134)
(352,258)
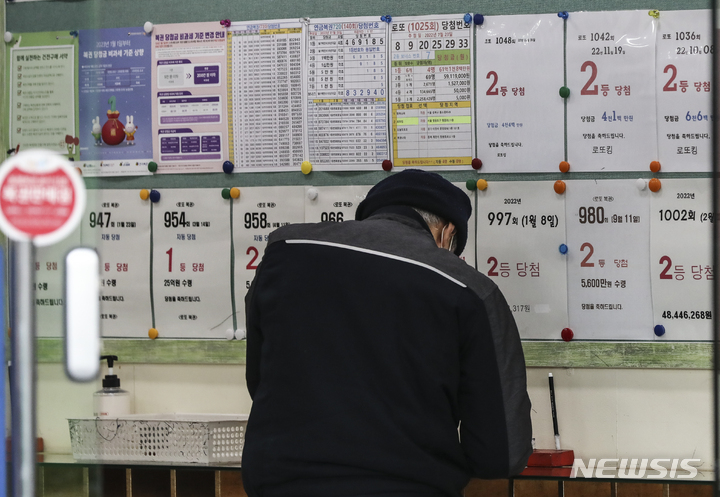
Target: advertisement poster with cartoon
(115,102)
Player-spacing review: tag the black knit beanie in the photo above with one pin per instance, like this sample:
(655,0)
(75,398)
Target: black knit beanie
(424,190)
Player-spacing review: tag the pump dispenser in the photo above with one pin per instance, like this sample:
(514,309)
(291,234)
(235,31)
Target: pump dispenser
(111,401)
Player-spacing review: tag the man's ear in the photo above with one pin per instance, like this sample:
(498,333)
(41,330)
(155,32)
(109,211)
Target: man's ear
(446,237)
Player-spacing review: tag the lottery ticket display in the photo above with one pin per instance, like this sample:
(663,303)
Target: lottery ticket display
(519,115)
(117,224)
(191,264)
(520,228)
(608,240)
(266,94)
(682,87)
(256,213)
(611,122)
(681,223)
(189,84)
(431,81)
(347,93)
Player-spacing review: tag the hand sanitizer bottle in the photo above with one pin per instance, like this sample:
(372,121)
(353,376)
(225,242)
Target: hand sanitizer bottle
(112,401)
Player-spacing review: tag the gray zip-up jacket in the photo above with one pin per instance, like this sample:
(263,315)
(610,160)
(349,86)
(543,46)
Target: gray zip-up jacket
(367,347)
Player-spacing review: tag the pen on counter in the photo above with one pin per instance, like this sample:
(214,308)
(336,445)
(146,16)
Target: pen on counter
(554,411)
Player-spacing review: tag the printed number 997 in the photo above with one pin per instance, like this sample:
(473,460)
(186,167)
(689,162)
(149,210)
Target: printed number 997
(499,217)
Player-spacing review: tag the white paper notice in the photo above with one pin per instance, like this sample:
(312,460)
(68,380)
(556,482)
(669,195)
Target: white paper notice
(267,110)
(684,103)
(333,203)
(520,117)
(258,212)
(608,233)
(339,203)
(42,100)
(681,258)
(611,108)
(520,227)
(189,84)
(431,86)
(191,264)
(117,224)
(347,95)
(49,286)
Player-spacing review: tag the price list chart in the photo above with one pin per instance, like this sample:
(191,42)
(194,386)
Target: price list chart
(117,224)
(431,82)
(520,228)
(266,93)
(347,94)
(256,213)
(681,225)
(608,240)
(520,116)
(611,124)
(682,85)
(191,264)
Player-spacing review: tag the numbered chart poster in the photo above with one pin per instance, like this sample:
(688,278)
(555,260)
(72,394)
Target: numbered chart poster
(49,286)
(258,212)
(431,83)
(115,102)
(42,96)
(266,124)
(520,227)
(684,103)
(347,94)
(333,203)
(189,88)
(191,264)
(608,237)
(117,225)
(611,108)
(520,117)
(681,258)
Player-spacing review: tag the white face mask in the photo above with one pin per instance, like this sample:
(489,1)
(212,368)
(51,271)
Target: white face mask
(442,238)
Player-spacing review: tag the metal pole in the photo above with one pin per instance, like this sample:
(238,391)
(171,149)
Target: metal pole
(22,386)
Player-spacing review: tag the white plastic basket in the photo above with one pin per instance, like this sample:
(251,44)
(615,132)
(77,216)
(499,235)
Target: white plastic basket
(168,438)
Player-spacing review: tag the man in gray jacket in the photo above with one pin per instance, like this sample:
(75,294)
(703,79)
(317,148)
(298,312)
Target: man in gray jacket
(380,363)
